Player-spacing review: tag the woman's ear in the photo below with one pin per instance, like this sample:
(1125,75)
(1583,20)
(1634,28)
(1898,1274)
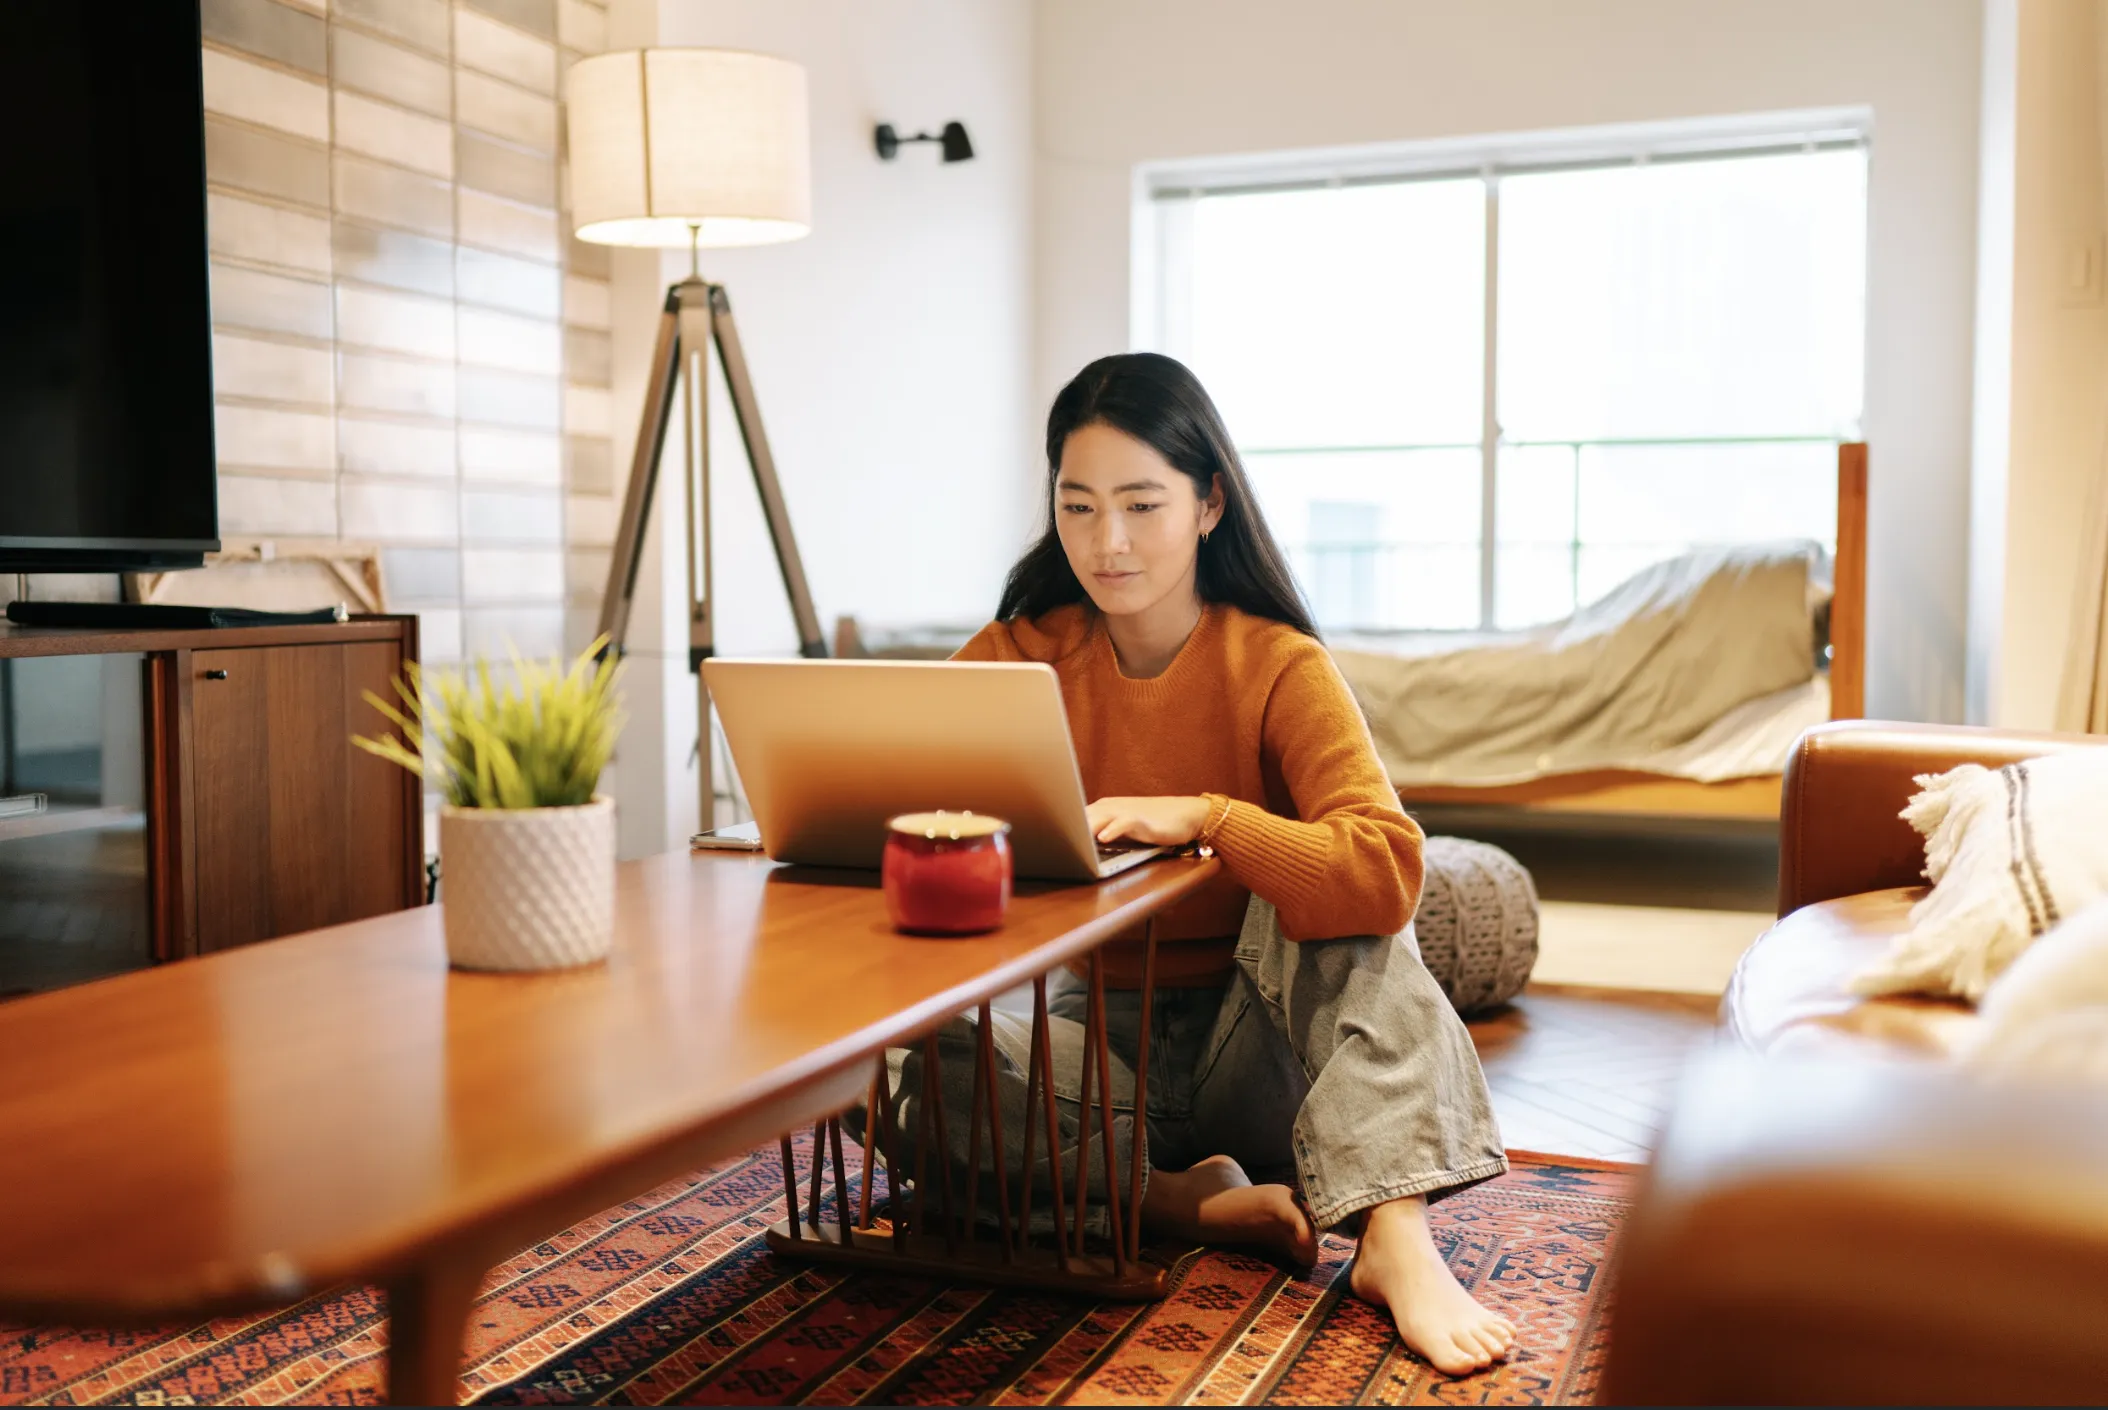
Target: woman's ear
(1211,506)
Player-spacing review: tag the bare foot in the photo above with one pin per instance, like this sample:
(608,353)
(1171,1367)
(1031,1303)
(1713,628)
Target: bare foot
(1398,1268)
(1215,1203)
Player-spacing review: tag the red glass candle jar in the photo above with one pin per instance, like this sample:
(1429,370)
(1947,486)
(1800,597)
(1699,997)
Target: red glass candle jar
(947,873)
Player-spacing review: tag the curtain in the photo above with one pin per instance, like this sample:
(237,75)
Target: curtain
(2082,704)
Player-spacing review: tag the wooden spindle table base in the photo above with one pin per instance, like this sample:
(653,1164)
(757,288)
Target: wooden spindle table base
(928,1231)
(976,1260)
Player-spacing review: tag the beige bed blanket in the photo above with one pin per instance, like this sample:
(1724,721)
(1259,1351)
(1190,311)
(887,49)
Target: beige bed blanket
(1643,670)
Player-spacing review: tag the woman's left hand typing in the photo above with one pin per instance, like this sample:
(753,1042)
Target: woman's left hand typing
(1154,822)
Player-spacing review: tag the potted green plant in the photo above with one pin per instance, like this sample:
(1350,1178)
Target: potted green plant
(528,847)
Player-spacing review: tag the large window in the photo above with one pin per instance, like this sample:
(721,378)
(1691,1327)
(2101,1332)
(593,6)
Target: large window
(1480,400)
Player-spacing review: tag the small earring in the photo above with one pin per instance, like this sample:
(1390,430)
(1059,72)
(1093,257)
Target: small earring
(1204,535)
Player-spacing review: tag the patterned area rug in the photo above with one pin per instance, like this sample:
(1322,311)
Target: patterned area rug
(672,1299)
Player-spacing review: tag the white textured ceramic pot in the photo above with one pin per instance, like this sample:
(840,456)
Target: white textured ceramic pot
(528,888)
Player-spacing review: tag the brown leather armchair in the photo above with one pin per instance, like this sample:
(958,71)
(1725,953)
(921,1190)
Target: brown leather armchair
(1850,869)
(1836,1214)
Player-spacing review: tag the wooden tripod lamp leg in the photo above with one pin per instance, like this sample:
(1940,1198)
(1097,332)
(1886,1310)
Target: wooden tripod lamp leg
(678,359)
(621,588)
(697,316)
(696,336)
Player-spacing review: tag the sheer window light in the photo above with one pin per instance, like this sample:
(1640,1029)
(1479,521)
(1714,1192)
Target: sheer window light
(1677,350)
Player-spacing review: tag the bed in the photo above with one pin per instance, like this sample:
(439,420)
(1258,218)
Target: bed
(1675,699)
(1728,771)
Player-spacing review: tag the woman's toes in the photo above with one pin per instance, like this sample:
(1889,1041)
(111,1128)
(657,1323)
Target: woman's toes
(1496,1333)
(1468,1358)
(1471,1347)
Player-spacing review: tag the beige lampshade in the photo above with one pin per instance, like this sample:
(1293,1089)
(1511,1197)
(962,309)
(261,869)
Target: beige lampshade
(663,140)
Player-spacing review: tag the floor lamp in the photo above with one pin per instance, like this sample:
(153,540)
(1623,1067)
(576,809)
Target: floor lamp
(687,148)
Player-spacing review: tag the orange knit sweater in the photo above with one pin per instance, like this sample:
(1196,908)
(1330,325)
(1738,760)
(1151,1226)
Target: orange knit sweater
(1256,712)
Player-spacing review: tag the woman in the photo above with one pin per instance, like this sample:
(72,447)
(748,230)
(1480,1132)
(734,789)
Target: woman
(1296,1032)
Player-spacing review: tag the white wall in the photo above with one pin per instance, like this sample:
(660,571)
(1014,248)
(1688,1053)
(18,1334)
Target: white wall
(890,351)
(2042,350)
(1119,82)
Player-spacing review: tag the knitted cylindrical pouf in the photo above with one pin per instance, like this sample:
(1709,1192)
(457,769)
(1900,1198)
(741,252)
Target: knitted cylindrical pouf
(1477,924)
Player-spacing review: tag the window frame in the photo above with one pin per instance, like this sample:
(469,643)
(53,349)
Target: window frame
(1165,196)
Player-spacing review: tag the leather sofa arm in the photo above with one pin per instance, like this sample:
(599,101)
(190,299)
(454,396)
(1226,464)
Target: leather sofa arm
(1840,829)
(1853,1231)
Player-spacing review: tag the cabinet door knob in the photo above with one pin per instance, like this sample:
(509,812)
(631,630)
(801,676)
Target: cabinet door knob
(215,675)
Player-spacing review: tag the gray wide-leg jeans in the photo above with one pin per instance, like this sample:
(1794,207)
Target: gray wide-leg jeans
(1334,1065)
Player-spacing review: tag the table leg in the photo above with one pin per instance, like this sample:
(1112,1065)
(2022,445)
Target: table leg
(1043,1060)
(1093,1014)
(790,1185)
(916,1247)
(1105,1113)
(842,1215)
(995,1124)
(1139,1152)
(819,1172)
(427,1320)
(872,1141)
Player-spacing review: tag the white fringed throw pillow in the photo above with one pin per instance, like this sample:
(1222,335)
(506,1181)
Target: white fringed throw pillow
(2047,1016)
(2010,852)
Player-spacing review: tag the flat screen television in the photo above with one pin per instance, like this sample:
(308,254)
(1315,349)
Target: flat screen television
(106,454)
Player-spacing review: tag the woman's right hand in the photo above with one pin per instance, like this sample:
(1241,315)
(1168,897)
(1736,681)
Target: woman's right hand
(1153,822)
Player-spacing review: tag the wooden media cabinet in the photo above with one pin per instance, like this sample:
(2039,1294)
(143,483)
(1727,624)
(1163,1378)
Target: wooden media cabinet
(256,816)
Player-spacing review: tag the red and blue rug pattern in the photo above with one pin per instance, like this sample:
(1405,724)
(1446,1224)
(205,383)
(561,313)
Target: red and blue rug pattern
(672,1298)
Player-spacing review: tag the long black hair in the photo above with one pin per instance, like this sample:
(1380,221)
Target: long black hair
(1158,401)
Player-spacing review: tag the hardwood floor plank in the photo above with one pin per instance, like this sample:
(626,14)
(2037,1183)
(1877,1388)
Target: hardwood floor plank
(1589,1072)
(1571,1136)
(1577,1101)
(1640,1103)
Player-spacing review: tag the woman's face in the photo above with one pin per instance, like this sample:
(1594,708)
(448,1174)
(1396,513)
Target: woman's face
(1130,522)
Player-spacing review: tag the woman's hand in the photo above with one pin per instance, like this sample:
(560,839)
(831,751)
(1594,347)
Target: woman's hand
(1154,822)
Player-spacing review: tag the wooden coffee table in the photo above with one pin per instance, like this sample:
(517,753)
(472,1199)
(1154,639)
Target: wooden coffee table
(241,1131)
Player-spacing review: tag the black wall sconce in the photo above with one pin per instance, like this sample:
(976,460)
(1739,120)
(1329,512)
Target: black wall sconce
(956,147)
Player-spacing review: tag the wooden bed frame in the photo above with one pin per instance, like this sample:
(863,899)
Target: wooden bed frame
(1632,795)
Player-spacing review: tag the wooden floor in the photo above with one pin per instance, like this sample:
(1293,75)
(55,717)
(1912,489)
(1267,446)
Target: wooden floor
(1589,1072)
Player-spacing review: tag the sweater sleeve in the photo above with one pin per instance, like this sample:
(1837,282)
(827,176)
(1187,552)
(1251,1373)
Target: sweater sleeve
(1349,862)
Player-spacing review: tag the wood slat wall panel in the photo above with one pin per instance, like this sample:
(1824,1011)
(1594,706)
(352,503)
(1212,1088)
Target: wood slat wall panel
(423,134)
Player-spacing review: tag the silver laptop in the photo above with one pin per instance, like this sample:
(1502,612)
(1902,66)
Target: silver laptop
(829,750)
